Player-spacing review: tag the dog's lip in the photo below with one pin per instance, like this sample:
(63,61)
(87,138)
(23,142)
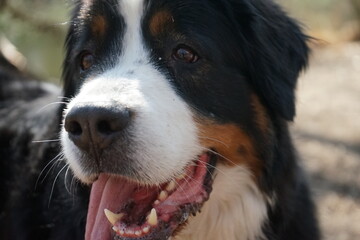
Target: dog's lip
(165,210)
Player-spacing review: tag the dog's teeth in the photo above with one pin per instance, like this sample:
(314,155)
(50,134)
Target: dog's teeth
(152,218)
(157,202)
(163,195)
(129,231)
(137,233)
(116,229)
(112,217)
(181,176)
(146,229)
(122,232)
(171,186)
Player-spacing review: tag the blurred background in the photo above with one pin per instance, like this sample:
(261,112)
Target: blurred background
(327,129)
(37,27)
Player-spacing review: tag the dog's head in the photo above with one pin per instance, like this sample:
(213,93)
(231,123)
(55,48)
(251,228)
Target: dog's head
(164,92)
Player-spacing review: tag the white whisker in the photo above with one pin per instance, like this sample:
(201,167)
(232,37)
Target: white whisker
(218,154)
(53,185)
(182,189)
(66,174)
(50,104)
(56,158)
(54,164)
(46,141)
(215,140)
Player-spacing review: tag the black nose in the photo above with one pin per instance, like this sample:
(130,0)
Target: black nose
(94,127)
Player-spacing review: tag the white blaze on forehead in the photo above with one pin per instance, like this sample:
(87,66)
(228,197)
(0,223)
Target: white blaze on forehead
(163,133)
(132,12)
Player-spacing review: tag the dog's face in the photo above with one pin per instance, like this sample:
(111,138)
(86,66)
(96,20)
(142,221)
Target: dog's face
(165,92)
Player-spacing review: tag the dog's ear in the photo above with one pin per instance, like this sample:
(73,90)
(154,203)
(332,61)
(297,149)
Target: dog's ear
(70,73)
(276,51)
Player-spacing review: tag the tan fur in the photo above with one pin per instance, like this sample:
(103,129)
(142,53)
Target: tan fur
(261,116)
(232,144)
(99,26)
(159,21)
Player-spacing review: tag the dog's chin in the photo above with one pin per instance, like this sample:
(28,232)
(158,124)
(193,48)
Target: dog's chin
(123,209)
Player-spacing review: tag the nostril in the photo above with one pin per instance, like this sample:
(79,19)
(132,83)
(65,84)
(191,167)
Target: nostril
(73,127)
(104,127)
(116,122)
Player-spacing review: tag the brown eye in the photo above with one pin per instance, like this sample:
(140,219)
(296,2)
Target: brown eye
(185,54)
(86,60)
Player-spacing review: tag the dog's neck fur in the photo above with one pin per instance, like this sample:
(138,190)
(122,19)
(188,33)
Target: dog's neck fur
(236,209)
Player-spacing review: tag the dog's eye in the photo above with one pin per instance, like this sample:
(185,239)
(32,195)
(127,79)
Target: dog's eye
(185,54)
(86,60)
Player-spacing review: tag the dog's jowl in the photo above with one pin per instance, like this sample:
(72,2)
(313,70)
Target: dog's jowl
(175,125)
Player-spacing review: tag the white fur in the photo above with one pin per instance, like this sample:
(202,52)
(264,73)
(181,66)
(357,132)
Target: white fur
(163,132)
(236,209)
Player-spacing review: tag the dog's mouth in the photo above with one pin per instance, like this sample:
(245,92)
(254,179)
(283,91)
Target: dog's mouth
(121,209)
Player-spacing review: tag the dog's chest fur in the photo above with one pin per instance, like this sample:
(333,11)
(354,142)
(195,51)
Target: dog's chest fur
(235,211)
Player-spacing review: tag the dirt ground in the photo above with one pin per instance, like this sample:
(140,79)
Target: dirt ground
(327,134)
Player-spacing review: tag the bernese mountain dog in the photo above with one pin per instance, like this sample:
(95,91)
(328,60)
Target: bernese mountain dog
(172,124)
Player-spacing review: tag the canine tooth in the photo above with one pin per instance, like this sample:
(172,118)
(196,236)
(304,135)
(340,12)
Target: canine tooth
(112,217)
(116,229)
(171,186)
(146,229)
(137,233)
(152,218)
(163,195)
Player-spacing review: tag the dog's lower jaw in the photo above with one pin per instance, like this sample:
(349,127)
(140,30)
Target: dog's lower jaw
(236,209)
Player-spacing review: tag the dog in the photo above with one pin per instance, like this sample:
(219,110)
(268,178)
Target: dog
(174,119)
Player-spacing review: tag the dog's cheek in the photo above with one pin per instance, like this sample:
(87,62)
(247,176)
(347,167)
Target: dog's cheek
(232,144)
(164,142)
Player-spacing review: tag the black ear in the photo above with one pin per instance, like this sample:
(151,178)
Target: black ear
(276,53)
(70,70)
(70,73)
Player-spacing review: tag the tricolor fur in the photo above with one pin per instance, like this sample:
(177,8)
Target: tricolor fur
(224,110)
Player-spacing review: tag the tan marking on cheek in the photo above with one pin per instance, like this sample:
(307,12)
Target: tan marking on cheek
(231,142)
(159,21)
(261,116)
(99,26)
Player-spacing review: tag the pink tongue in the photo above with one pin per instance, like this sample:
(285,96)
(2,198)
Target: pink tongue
(107,192)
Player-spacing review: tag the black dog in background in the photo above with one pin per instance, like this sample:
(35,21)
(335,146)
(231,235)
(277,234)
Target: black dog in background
(34,206)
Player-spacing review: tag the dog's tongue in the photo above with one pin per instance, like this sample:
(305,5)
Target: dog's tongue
(110,193)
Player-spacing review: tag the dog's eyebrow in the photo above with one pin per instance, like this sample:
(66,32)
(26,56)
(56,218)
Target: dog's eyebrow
(159,21)
(99,25)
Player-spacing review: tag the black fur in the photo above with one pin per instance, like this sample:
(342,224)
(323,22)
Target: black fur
(34,206)
(246,46)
